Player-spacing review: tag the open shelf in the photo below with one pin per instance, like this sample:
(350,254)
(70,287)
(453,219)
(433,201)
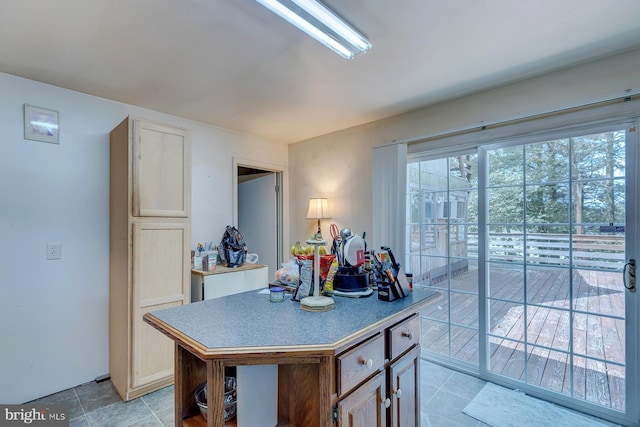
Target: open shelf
(199,421)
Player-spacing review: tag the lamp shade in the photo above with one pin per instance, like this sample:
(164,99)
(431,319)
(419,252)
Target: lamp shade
(318,209)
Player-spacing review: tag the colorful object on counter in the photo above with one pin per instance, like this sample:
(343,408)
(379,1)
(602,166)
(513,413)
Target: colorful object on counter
(325,264)
(333,269)
(209,261)
(410,280)
(232,249)
(200,247)
(276,294)
(298,250)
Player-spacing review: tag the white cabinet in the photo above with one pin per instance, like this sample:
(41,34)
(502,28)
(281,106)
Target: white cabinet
(226,281)
(161,170)
(150,239)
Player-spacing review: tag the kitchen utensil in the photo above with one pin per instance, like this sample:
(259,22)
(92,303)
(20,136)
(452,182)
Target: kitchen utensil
(335,244)
(229,398)
(334,232)
(345,233)
(349,279)
(353,251)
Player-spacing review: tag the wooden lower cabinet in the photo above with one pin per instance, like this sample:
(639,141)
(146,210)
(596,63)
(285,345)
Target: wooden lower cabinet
(404,377)
(391,397)
(365,407)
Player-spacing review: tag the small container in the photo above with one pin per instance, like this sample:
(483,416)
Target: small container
(410,280)
(277,294)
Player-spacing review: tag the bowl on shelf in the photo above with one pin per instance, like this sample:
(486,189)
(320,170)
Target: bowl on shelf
(230,385)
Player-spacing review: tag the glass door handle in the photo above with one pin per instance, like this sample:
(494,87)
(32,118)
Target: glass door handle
(629,271)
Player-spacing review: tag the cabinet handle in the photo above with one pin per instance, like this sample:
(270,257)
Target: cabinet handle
(398,393)
(387,402)
(408,335)
(368,363)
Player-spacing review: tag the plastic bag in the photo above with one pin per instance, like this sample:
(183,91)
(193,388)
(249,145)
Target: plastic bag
(325,264)
(305,288)
(289,274)
(307,278)
(328,284)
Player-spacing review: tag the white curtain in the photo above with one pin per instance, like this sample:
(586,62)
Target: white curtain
(389,198)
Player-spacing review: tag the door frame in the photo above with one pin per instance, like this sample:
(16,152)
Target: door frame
(282,203)
(632,250)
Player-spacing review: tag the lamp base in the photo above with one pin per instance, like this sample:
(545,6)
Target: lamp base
(319,303)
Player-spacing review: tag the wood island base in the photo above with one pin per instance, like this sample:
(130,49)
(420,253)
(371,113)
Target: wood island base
(365,375)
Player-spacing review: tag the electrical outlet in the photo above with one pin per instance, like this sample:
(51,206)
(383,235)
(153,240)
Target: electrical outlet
(54,251)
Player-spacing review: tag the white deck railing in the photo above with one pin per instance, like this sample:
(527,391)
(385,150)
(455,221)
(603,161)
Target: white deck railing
(590,251)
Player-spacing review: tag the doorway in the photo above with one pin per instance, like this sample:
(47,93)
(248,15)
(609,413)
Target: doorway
(259,210)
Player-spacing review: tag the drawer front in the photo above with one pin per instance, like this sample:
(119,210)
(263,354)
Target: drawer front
(403,336)
(359,363)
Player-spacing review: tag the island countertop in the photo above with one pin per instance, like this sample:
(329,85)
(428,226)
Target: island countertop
(250,323)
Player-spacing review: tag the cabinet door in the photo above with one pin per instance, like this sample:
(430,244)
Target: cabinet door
(404,381)
(160,280)
(365,407)
(161,170)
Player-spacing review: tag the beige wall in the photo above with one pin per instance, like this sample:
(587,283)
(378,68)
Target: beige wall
(338,165)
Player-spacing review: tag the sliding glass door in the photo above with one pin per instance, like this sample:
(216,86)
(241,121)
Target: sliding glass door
(555,227)
(442,251)
(527,243)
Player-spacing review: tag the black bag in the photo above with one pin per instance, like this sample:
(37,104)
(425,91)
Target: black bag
(232,248)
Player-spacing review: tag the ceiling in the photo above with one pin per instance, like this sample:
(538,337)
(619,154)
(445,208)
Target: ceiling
(236,65)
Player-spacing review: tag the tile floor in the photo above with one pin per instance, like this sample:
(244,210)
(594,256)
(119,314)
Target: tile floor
(99,404)
(444,394)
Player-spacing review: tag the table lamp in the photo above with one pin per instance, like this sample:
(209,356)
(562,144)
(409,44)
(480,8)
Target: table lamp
(318,209)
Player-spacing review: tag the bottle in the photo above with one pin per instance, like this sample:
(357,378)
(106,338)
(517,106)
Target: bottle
(410,280)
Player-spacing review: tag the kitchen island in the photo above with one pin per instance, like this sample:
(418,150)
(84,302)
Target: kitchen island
(326,361)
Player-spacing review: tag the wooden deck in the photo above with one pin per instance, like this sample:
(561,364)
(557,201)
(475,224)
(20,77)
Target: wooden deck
(598,337)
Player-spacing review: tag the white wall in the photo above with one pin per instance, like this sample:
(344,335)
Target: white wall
(54,314)
(338,165)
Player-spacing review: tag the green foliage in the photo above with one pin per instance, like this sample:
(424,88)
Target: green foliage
(593,165)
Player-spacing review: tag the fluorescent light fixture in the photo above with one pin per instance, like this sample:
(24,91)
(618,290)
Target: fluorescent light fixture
(322,24)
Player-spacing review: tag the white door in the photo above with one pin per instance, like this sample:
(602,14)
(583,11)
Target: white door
(257,218)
